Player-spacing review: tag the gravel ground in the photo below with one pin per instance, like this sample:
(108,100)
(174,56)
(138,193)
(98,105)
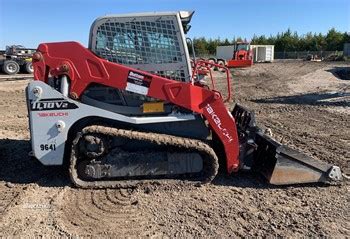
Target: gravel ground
(305,104)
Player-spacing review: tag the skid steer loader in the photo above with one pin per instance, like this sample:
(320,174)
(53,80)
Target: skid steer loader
(131,108)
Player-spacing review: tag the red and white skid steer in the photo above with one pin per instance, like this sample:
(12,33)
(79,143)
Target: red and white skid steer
(131,108)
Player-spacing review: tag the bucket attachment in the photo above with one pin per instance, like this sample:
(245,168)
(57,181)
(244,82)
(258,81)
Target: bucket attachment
(239,63)
(279,164)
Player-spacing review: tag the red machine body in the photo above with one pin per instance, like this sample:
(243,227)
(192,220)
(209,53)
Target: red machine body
(242,56)
(84,68)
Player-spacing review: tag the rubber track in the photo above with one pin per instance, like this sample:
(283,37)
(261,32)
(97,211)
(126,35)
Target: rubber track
(159,139)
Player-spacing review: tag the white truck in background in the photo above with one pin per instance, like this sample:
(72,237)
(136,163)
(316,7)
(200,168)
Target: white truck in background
(17,58)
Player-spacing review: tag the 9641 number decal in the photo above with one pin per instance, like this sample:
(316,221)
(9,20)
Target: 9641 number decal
(47,147)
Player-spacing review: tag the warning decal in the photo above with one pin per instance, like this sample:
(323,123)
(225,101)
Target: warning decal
(138,83)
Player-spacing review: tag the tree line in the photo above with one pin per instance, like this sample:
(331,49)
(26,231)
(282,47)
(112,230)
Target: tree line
(333,40)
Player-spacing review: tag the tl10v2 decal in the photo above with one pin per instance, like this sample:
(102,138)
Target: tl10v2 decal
(52,104)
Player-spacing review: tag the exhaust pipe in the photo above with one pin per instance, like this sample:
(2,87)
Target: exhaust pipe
(279,164)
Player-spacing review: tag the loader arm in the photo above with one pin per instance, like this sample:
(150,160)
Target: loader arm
(84,68)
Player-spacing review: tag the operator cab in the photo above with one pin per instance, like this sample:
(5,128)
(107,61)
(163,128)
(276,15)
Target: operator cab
(242,51)
(242,46)
(152,42)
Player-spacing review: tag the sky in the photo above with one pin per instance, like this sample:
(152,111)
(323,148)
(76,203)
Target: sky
(30,22)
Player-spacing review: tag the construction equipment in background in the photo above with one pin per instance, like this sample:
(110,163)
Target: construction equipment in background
(238,55)
(17,58)
(132,109)
(242,56)
(313,57)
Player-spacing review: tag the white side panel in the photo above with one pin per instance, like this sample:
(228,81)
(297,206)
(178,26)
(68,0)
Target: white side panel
(269,54)
(225,52)
(51,115)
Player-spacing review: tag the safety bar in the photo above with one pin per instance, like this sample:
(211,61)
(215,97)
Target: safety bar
(207,65)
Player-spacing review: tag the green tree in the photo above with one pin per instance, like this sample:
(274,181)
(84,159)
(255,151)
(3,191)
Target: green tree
(334,40)
(284,41)
(200,46)
(346,37)
(320,43)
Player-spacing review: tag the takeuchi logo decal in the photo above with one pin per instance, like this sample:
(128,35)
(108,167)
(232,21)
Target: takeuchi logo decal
(53,114)
(218,122)
(52,104)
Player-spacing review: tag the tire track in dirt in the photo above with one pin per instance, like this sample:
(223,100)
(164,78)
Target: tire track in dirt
(106,212)
(31,214)
(7,198)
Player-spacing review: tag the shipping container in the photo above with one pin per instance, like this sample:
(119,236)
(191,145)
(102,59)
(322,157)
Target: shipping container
(263,53)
